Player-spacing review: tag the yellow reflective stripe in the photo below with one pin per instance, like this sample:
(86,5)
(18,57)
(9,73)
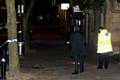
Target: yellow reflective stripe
(104,42)
(103,49)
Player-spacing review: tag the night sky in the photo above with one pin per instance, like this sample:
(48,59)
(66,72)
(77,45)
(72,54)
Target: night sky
(42,7)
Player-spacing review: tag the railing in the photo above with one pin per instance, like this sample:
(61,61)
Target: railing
(4,60)
(5,56)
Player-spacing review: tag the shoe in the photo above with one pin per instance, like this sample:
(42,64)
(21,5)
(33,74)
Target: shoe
(106,68)
(99,67)
(81,71)
(75,73)
(2,78)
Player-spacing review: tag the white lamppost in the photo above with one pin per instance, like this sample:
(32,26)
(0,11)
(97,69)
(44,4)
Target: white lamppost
(65,7)
(20,32)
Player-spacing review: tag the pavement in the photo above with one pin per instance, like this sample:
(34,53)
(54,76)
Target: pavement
(54,63)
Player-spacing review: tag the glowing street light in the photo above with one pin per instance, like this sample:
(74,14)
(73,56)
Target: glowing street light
(65,6)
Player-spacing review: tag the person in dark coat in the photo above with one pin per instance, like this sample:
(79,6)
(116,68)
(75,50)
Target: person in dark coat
(77,49)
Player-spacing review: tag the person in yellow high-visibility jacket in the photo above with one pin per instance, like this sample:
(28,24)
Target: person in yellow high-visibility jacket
(104,48)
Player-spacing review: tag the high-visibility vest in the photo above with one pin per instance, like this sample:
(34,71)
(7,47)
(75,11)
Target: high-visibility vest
(104,42)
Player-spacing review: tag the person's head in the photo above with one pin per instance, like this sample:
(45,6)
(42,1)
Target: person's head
(103,29)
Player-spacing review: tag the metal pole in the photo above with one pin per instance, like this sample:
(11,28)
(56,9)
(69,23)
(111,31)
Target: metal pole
(3,66)
(65,13)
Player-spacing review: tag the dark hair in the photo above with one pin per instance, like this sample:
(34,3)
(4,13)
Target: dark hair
(101,27)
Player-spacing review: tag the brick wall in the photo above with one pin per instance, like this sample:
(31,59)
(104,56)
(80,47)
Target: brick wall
(113,24)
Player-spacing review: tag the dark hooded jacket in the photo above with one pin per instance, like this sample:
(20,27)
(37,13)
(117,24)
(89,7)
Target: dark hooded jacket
(77,44)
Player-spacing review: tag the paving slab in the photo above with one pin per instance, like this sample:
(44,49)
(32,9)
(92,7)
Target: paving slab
(55,64)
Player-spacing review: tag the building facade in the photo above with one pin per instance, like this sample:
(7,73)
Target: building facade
(113,22)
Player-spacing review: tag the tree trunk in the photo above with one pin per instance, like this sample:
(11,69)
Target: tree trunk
(26,25)
(12,35)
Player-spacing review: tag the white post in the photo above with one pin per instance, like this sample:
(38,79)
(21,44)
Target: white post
(20,45)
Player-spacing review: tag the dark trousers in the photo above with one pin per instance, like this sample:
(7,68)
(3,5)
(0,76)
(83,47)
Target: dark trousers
(103,60)
(79,59)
